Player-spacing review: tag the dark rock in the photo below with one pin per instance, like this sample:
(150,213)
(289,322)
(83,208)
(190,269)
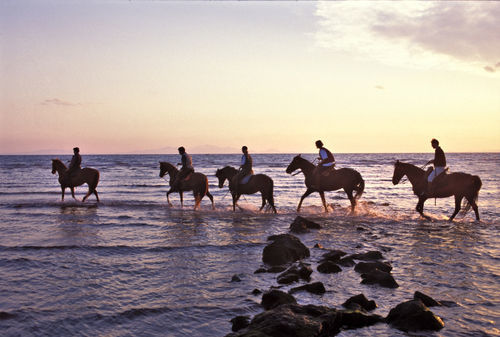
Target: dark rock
(289,320)
(414,316)
(260,271)
(288,277)
(333,255)
(356,319)
(448,304)
(256,292)
(294,273)
(276,269)
(427,300)
(305,271)
(302,225)
(329,267)
(360,300)
(6,315)
(240,322)
(379,277)
(285,248)
(367,267)
(273,298)
(235,278)
(360,228)
(368,256)
(315,288)
(319,246)
(346,262)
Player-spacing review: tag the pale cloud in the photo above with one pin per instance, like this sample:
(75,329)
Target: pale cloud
(455,35)
(380,87)
(489,69)
(57,101)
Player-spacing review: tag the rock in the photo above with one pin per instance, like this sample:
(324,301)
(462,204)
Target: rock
(235,278)
(288,277)
(367,267)
(315,288)
(368,256)
(360,300)
(294,273)
(285,248)
(414,316)
(329,267)
(356,319)
(319,246)
(240,322)
(6,315)
(427,300)
(288,320)
(379,277)
(302,225)
(256,292)
(260,271)
(346,262)
(273,298)
(333,255)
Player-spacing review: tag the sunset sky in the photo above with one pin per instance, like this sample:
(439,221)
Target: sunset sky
(147,77)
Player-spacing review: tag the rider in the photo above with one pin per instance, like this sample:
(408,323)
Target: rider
(74,165)
(245,168)
(186,169)
(439,162)
(326,160)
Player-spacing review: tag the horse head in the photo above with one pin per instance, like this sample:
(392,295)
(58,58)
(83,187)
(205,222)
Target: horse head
(166,168)
(295,164)
(220,175)
(398,172)
(57,166)
(225,173)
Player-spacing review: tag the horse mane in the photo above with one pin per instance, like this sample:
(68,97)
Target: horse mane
(410,166)
(304,160)
(59,162)
(168,166)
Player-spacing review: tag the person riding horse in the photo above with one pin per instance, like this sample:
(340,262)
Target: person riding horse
(439,162)
(245,168)
(326,161)
(186,169)
(74,166)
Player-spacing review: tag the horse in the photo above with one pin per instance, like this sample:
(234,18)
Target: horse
(346,178)
(257,183)
(458,184)
(196,182)
(87,175)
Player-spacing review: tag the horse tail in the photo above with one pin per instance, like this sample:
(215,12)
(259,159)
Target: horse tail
(360,187)
(94,183)
(476,184)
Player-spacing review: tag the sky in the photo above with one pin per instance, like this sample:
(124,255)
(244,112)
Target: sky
(150,76)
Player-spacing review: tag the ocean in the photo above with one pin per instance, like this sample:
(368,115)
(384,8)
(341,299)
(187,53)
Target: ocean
(132,266)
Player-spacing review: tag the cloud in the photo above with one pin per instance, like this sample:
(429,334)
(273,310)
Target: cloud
(418,34)
(380,87)
(57,101)
(497,65)
(489,69)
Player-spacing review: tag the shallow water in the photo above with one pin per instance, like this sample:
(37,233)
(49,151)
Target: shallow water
(133,266)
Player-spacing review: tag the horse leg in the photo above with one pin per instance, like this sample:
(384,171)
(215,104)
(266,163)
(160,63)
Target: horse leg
(270,200)
(211,199)
(263,202)
(182,199)
(62,192)
(197,199)
(236,197)
(473,203)
(72,189)
(420,207)
(96,196)
(308,192)
(458,202)
(168,199)
(323,200)
(351,199)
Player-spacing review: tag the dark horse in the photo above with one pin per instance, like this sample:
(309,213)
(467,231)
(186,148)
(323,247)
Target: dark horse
(346,178)
(196,182)
(460,185)
(257,183)
(86,175)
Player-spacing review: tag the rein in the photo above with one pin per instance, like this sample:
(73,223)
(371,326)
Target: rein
(298,172)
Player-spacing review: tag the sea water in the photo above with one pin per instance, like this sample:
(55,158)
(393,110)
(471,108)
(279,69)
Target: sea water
(132,266)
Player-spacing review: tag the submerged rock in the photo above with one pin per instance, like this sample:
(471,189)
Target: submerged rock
(368,256)
(285,248)
(427,300)
(240,322)
(302,225)
(328,267)
(414,316)
(333,255)
(379,277)
(346,262)
(367,267)
(294,273)
(361,301)
(315,288)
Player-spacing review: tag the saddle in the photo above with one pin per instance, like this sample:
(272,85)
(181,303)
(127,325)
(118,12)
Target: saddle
(246,179)
(188,176)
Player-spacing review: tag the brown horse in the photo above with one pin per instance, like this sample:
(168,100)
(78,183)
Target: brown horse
(86,175)
(460,185)
(346,178)
(257,183)
(196,182)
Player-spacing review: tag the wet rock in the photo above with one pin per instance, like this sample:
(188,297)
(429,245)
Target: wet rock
(379,277)
(6,315)
(273,298)
(235,278)
(367,267)
(273,270)
(240,322)
(294,273)
(285,248)
(289,320)
(319,246)
(329,267)
(368,256)
(427,300)
(260,271)
(360,300)
(356,319)
(288,277)
(315,288)
(333,255)
(448,304)
(414,316)
(256,292)
(302,225)
(346,262)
